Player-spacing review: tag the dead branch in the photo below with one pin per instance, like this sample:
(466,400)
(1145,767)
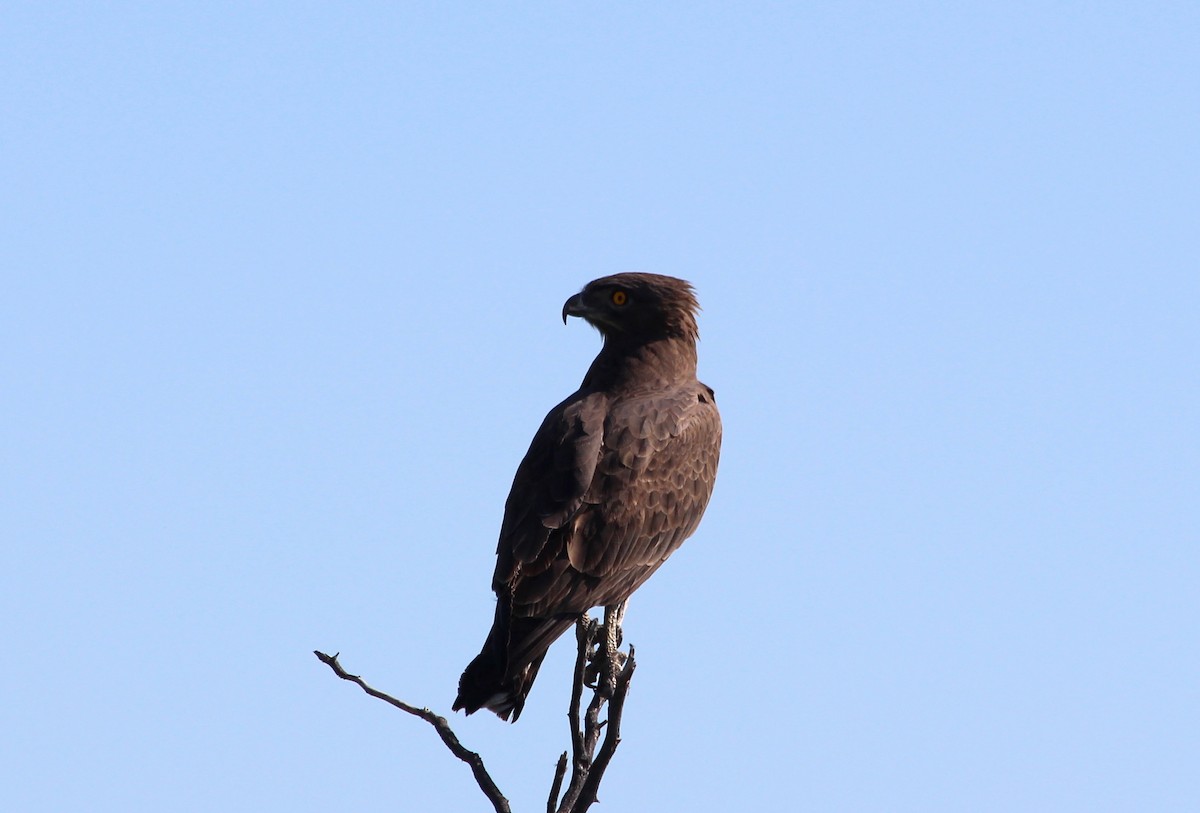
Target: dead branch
(596,658)
(482,777)
(596,655)
(560,771)
(612,737)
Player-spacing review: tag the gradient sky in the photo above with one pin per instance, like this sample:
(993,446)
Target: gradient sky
(281,314)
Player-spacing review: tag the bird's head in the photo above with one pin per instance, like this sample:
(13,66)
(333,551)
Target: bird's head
(637,306)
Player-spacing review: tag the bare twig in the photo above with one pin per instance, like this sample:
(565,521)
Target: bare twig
(585,635)
(597,657)
(612,737)
(597,645)
(560,771)
(482,777)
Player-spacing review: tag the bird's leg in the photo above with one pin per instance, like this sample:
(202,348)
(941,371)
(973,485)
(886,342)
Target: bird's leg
(614,614)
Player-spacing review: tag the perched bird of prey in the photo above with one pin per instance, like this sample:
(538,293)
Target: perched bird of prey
(617,476)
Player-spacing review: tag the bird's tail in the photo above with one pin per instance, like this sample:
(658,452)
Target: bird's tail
(502,673)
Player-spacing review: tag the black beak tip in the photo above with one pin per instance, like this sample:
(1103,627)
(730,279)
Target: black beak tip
(573,307)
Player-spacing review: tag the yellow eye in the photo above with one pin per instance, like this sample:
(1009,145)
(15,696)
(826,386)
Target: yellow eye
(619,297)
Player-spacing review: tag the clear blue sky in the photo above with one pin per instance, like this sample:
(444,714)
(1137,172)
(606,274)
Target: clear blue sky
(280,314)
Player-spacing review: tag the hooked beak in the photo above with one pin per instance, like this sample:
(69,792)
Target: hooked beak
(574,307)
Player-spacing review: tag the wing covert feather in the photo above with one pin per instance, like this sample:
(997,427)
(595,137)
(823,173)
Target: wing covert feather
(651,484)
(551,480)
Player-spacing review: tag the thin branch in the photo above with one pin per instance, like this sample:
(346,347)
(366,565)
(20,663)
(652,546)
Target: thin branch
(585,634)
(482,777)
(597,655)
(560,771)
(592,725)
(612,737)
(597,658)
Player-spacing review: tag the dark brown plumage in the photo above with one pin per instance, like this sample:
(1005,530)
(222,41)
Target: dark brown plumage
(617,476)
